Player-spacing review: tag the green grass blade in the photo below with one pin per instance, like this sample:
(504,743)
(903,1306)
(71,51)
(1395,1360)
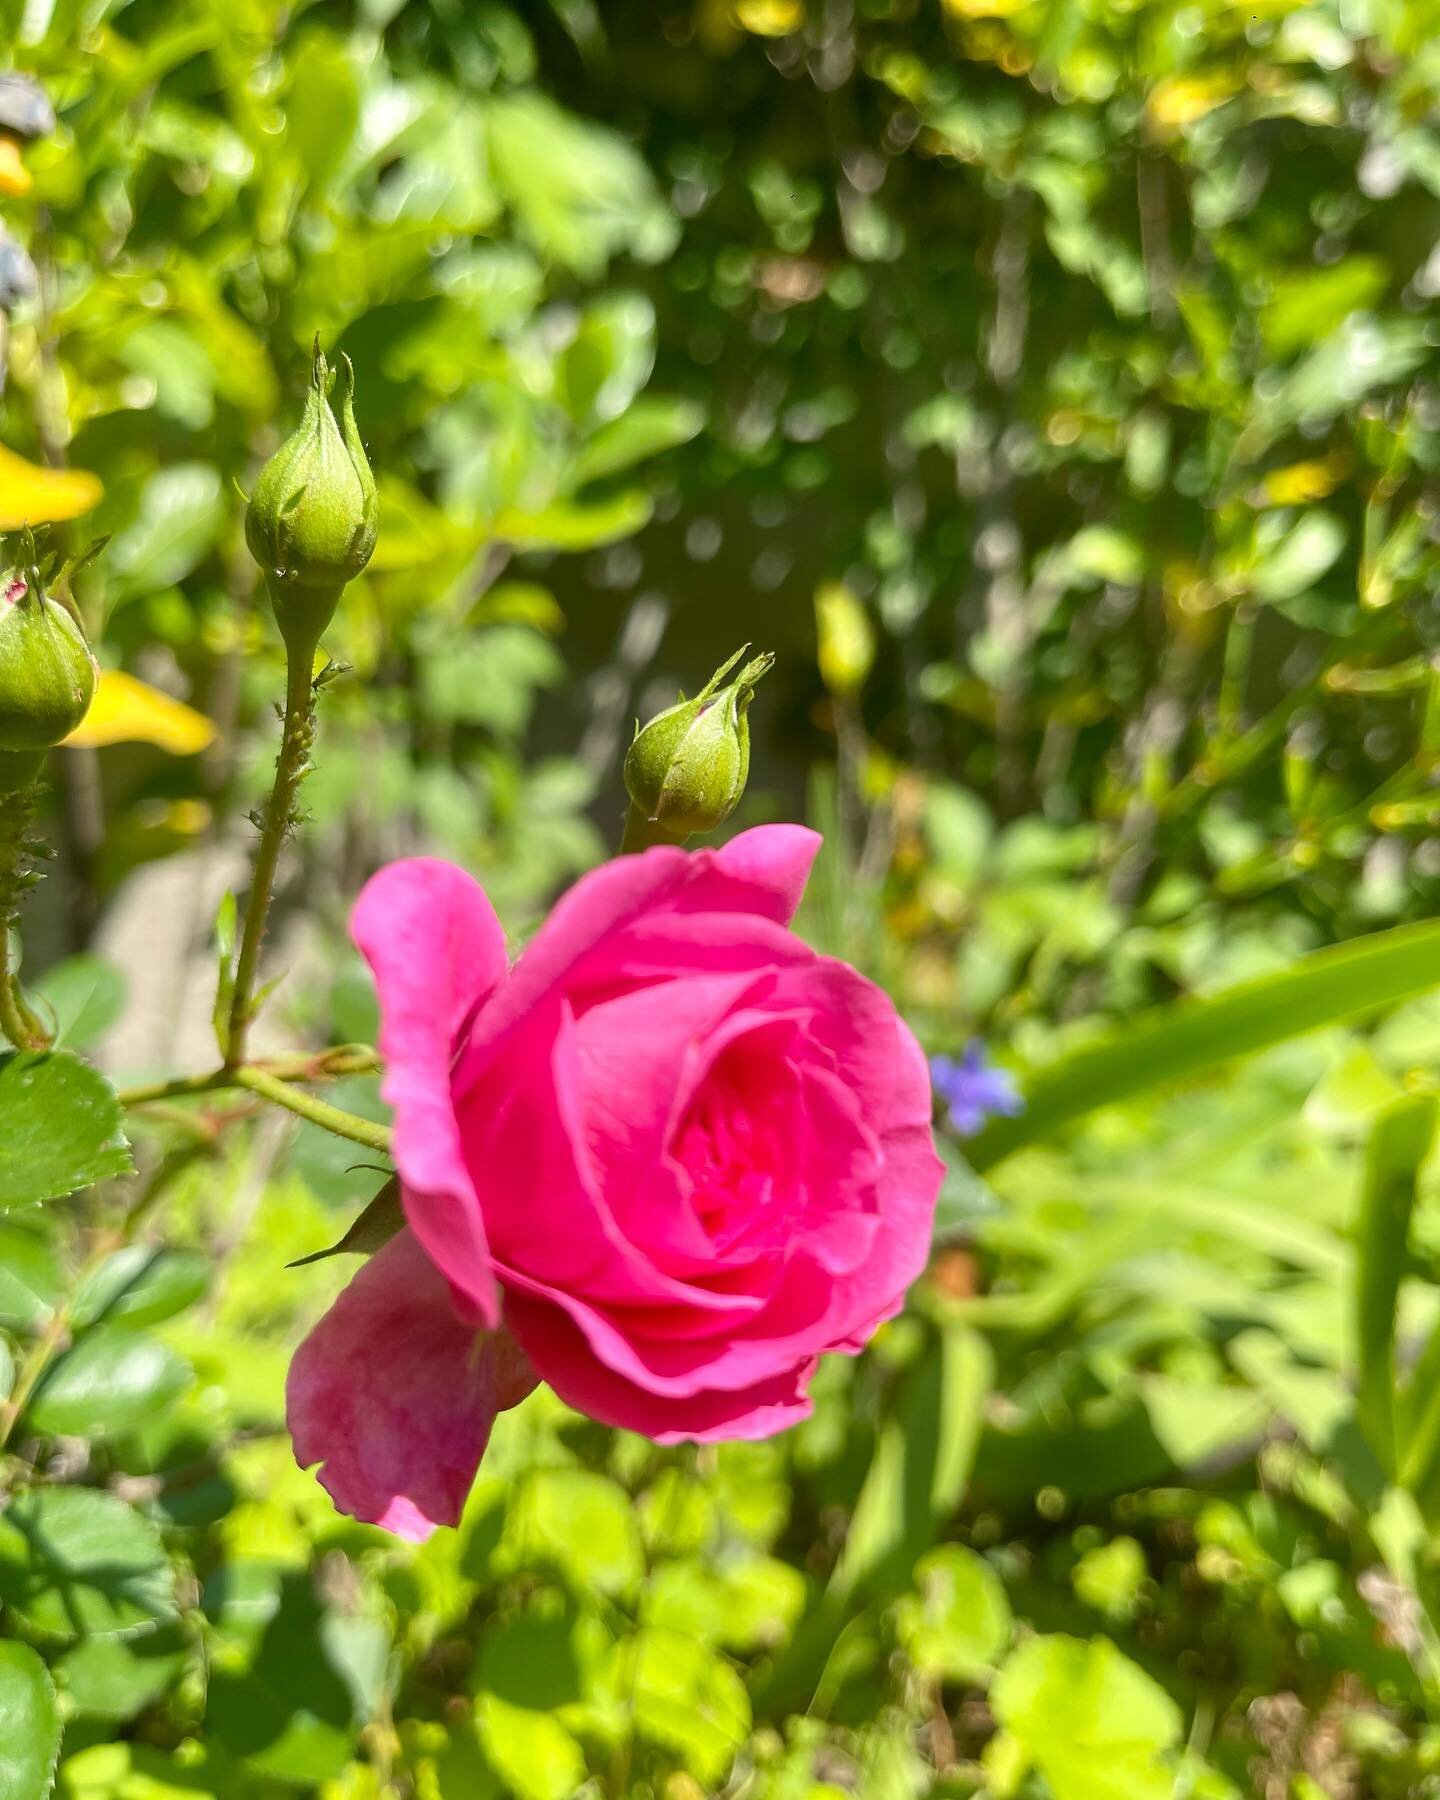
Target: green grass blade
(1174,1042)
(1399,1142)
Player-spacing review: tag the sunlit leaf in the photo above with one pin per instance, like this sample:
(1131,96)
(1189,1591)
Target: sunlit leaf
(62,1128)
(75,1563)
(29,1725)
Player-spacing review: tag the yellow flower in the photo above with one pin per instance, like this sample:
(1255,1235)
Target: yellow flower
(126,710)
(770,18)
(846,638)
(30,495)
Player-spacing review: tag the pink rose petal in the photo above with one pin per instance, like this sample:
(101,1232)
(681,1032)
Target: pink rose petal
(393,1395)
(438,954)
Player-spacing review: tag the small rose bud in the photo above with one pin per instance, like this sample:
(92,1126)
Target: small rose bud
(686,770)
(311,521)
(47,674)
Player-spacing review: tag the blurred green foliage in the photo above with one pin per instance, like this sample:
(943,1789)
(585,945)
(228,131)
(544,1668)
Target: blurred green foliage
(1052,383)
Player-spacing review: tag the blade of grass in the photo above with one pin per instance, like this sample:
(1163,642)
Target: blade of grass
(1174,1042)
(1399,1142)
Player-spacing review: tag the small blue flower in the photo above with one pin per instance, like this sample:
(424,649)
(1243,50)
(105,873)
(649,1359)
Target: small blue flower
(973,1089)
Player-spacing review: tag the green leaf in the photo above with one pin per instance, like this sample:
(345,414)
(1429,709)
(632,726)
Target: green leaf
(648,426)
(921,1463)
(113,1678)
(78,1563)
(126,1771)
(915,1480)
(29,1725)
(61,1126)
(686,1699)
(579,193)
(958,1624)
(86,994)
(1399,1142)
(288,1714)
(1305,308)
(1093,1722)
(30,1278)
(182,511)
(575,524)
(1175,1042)
(581,1523)
(534,1754)
(1300,558)
(140,1285)
(609,359)
(113,1379)
(1110,1577)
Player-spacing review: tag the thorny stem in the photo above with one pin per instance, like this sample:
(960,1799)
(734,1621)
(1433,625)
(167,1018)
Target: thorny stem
(321,1065)
(295,744)
(272,1081)
(319,1112)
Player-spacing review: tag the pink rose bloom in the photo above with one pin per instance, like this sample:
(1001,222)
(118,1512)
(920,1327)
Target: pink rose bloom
(664,1163)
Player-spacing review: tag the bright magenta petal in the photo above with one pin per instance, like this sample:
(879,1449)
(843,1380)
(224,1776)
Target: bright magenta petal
(438,954)
(757,876)
(393,1395)
(552,1339)
(772,863)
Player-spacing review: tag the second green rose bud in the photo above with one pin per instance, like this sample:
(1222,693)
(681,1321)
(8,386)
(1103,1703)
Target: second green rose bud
(686,770)
(312,520)
(47,674)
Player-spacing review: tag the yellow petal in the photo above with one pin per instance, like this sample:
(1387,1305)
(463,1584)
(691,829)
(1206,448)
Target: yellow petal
(15,178)
(30,495)
(128,711)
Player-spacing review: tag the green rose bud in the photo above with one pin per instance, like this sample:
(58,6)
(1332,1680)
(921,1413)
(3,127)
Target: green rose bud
(47,674)
(311,521)
(686,770)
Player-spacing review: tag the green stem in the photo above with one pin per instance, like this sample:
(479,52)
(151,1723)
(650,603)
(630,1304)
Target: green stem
(321,1065)
(318,1112)
(295,744)
(642,833)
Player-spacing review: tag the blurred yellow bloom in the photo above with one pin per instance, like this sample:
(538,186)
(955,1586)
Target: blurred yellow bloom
(984,9)
(129,711)
(30,495)
(1302,481)
(1181,100)
(15,178)
(770,18)
(187,818)
(847,639)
